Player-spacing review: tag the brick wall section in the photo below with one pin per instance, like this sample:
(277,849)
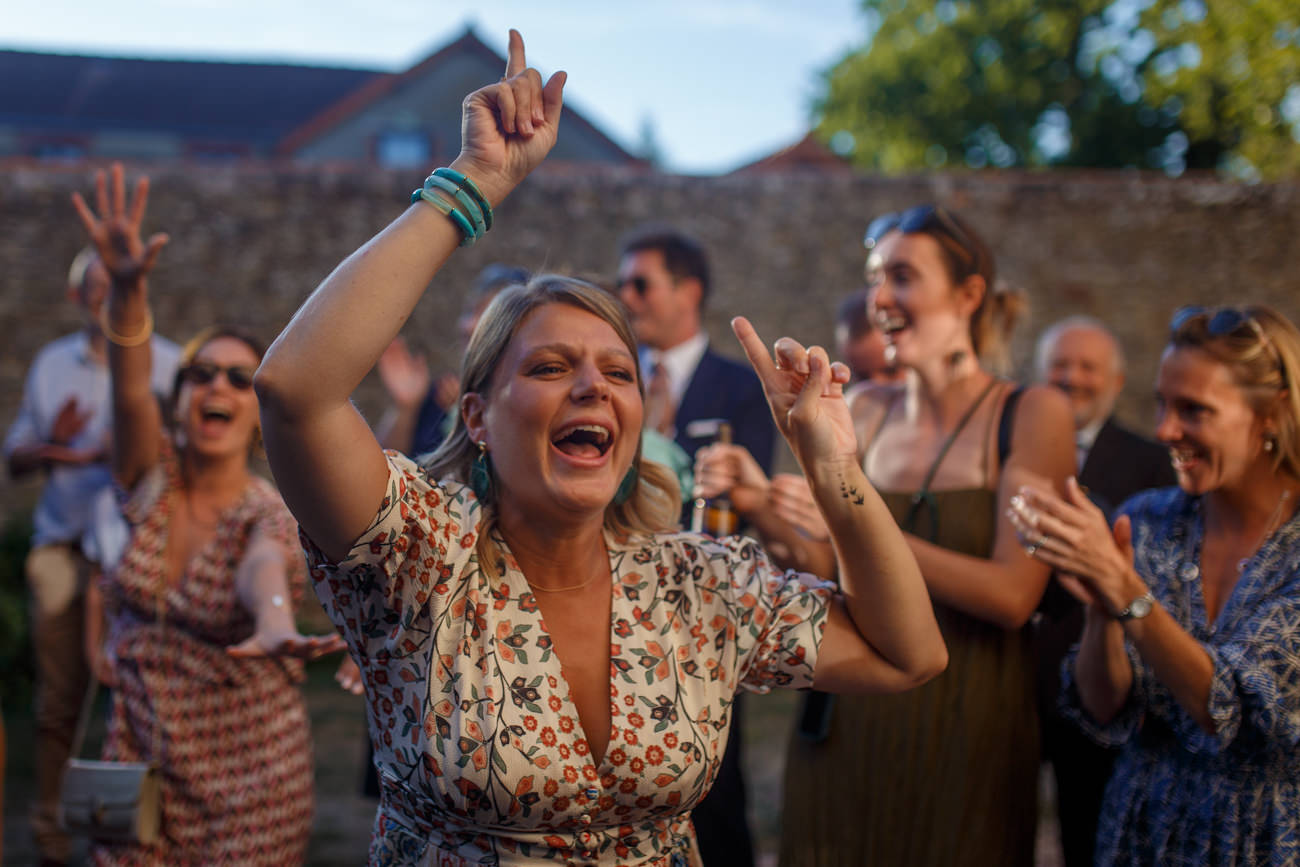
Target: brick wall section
(250,243)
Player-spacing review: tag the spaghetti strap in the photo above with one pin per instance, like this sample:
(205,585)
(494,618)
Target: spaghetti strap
(924,495)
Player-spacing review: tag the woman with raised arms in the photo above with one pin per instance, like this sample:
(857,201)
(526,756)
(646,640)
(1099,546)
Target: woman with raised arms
(548,664)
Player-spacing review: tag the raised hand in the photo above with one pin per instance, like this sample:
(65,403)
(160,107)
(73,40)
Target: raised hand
(806,393)
(507,128)
(69,422)
(115,231)
(405,375)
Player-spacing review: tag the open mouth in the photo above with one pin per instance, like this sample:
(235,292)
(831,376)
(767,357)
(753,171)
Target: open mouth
(584,440)
(1182,458)
(889,323)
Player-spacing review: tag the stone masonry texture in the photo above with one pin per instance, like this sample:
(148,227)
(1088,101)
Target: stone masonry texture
(249,243)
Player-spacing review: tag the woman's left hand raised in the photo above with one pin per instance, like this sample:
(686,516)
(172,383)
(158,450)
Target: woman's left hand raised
(507,128)
(806,393)
(115,231)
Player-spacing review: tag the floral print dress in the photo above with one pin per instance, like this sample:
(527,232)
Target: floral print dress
(1180,796)
(479,748)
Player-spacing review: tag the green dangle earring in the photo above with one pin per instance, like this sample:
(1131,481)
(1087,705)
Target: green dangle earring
(480,474)
(627,487)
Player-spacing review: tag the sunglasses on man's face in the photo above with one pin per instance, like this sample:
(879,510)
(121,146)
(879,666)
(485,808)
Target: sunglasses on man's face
(639,284)
(922,218)
(204,372)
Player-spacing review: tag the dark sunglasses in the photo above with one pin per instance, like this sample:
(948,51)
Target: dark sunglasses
(639,285)
(204,372)
(1219,321)
(918,219)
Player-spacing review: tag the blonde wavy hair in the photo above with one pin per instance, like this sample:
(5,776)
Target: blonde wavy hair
(1261,349)
(655,502)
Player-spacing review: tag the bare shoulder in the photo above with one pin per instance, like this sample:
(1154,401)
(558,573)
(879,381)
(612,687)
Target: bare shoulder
(1044,409)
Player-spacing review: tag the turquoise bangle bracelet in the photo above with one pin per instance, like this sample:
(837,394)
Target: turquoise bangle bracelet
(462,198)
(459,179)
(467,234)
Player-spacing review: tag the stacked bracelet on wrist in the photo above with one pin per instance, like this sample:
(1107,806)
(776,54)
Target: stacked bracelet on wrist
(460,200)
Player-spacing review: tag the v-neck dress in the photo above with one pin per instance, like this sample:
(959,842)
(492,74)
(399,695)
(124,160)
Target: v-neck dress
(236,755)
(1179,795)
(478,745)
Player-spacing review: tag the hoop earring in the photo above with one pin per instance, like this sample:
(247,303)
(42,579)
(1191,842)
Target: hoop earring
(480,475)
(627,487)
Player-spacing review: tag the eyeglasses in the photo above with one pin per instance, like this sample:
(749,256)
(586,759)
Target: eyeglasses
(639,284)
(918,219)
(204,372)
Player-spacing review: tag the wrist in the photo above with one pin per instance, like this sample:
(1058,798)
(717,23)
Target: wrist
(494,187)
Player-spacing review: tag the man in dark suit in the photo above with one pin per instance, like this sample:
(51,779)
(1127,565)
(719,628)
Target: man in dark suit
(1082,358)
(663,278)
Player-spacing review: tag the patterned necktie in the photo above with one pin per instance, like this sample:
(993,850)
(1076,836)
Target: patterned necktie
(660,411)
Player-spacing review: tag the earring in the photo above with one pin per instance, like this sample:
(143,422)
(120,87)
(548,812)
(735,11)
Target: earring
(1270,442)
(480,475)
(627,487)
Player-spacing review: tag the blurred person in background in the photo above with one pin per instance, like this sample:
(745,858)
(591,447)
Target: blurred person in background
(201,648)
(63,430)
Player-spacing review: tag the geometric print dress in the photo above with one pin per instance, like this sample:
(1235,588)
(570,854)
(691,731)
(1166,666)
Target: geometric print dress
(236,758)
(1180,796)
(478,745)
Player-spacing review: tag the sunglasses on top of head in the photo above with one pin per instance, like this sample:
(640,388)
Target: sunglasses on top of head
(917,219)
(204,372)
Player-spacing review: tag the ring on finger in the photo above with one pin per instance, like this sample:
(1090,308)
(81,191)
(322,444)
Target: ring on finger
(1032,548)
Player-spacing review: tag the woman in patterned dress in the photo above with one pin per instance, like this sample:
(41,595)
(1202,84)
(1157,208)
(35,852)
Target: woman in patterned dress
(548,667)
(1190,655)
(202,653)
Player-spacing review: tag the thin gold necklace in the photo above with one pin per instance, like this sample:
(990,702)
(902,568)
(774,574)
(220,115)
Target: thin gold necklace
(535,588)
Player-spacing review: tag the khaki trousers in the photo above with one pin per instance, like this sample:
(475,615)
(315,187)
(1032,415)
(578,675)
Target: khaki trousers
(56,578)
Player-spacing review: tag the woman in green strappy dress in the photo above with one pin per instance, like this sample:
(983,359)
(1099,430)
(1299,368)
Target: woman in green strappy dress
(945,774)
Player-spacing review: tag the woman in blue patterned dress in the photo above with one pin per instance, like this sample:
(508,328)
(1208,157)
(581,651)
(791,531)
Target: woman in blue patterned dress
(1190,656)
(549,668)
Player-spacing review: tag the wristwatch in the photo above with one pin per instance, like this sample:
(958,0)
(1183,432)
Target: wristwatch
(1138,608)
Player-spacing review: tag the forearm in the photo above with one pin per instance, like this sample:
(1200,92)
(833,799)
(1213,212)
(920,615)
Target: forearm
(1177,660)
(983,588)
(262,587)
(880,580)
(137,421)
(93,630)
(1102,671)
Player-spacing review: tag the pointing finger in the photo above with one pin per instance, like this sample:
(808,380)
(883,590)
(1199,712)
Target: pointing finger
(755,351)
(516,63)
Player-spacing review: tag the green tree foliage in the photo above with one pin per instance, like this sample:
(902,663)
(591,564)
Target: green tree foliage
(1171,84)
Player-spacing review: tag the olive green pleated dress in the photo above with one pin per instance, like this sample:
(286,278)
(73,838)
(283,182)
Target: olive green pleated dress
(944,775)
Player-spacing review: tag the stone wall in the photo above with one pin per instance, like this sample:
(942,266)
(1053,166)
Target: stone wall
(249,244)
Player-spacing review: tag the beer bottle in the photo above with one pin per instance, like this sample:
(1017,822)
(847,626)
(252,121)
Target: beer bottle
(715,516)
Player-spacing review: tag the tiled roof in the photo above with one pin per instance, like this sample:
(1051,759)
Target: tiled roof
(255,103)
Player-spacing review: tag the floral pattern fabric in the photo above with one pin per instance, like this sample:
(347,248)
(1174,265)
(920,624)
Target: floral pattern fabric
(1181,796)
(479,748)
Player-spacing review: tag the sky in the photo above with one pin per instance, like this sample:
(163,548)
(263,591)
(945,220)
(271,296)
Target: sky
(719,83)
